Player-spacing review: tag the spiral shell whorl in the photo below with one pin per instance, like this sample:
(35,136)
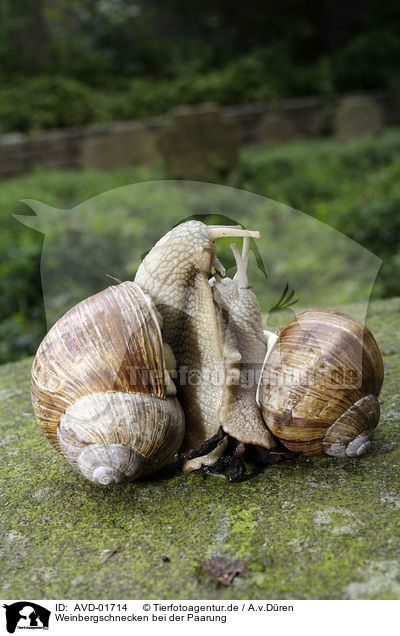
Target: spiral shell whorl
(319,389)
(114,436)
(101,391)
(353,431)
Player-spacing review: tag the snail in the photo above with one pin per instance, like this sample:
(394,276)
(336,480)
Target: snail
(113,426)
(101,390)
(319,387)
(102,379)
(239,316)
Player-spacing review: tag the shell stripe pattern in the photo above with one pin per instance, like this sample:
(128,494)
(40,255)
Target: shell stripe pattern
(305,389)
(109,342)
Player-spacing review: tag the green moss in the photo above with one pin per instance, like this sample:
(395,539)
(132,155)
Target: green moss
(308,528)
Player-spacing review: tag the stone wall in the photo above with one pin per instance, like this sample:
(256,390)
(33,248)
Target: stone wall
(118,144)
(199,142)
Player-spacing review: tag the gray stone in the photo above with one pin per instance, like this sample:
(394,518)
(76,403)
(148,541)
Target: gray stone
(120,146)
(276,126)
(357,117)
(110,145)
(199,143)
(309,528)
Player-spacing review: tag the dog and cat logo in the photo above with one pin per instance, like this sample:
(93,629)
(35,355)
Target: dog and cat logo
(26,615)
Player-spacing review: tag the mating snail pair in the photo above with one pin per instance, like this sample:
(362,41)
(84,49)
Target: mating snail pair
(103,387)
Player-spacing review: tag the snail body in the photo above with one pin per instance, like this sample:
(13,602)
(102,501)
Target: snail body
(239,314)
(101,390)
(319,388)
(175,274)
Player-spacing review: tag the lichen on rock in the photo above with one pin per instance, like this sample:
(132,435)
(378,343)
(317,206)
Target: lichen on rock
(319,527)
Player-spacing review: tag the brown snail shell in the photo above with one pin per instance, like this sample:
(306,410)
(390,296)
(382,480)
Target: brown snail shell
(320,384)
(101,391)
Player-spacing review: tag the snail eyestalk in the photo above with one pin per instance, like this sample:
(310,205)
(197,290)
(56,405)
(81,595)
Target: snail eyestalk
(246,251)
(220,231)
(217,265)
(240,275)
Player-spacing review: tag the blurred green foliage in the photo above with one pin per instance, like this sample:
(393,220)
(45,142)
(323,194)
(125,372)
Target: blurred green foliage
(47,102)
(54,101)
(69,62)
(353,187)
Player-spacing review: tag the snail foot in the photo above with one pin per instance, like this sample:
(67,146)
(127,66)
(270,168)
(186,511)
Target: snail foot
(261,456)
(205,447)
(231,460)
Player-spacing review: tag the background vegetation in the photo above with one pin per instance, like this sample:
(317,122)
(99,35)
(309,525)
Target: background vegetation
(71,62)
(354,187)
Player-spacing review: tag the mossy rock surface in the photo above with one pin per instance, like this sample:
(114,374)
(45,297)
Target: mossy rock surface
(322,528)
